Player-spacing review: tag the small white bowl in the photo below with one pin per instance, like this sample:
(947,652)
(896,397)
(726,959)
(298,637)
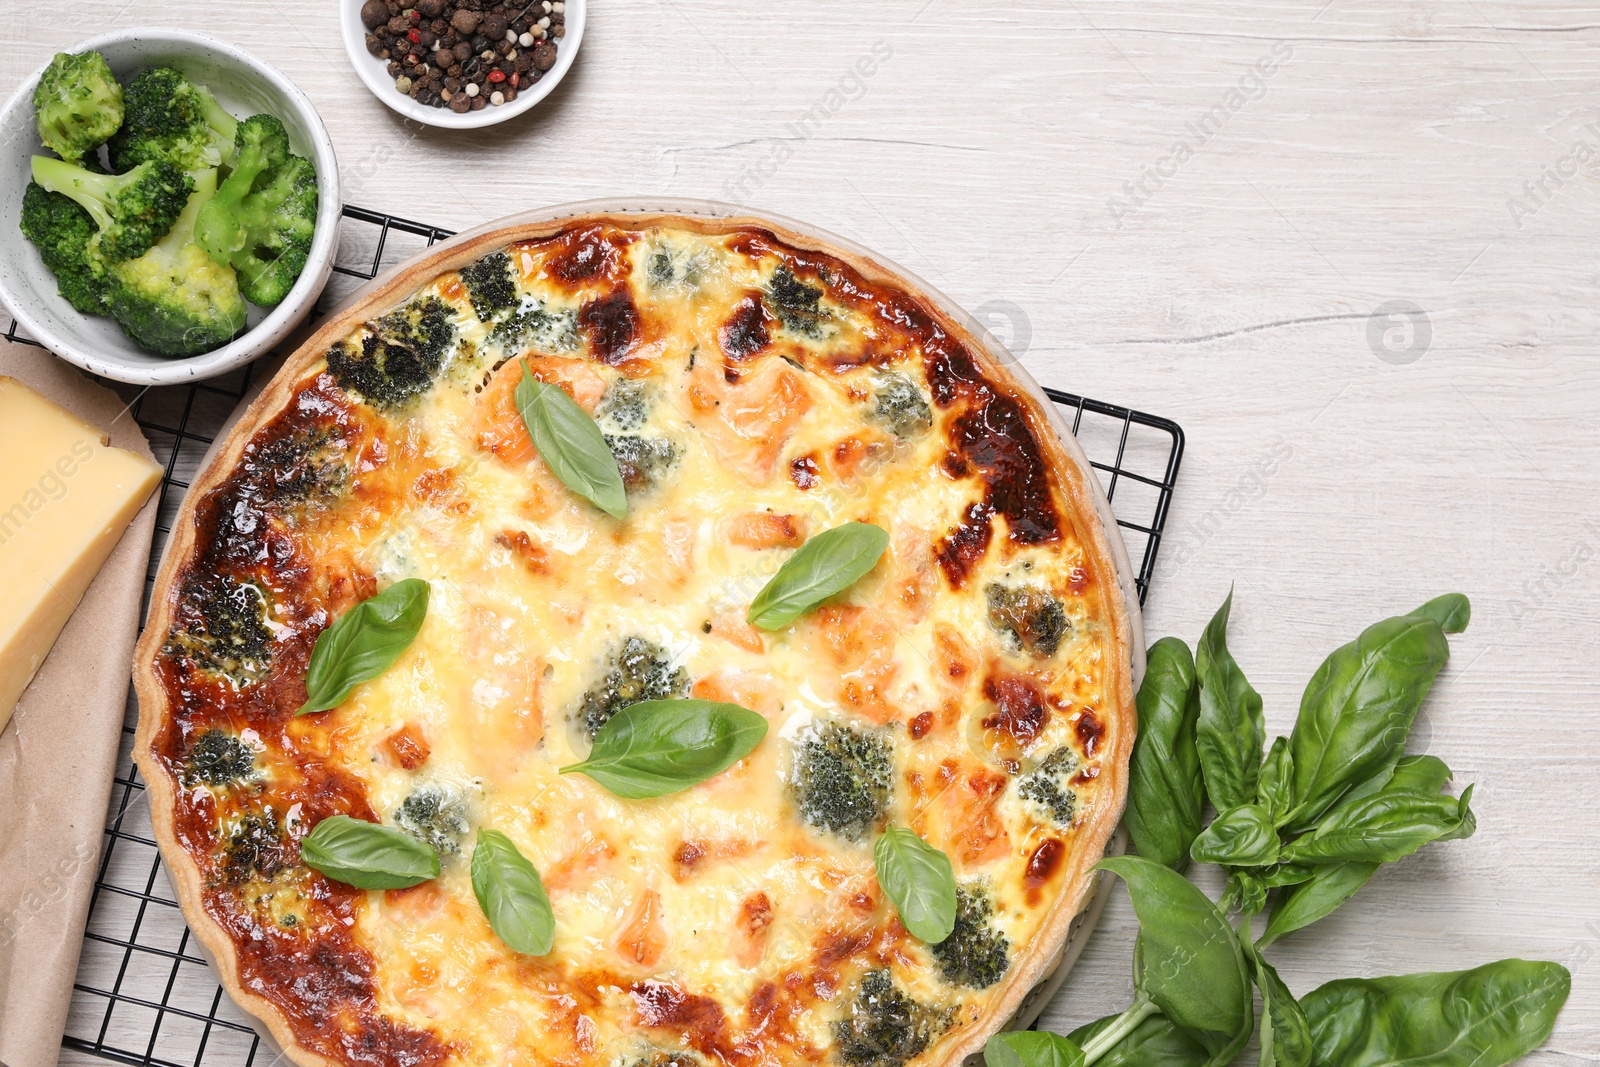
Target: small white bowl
(244,85)
(373,73)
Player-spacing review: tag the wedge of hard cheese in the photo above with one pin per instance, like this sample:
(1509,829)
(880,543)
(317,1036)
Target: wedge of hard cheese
(65,499)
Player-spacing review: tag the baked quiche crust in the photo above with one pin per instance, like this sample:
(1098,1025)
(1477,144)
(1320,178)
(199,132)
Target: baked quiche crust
(757,386)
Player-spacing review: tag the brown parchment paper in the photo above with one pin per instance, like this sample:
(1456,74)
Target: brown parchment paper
(58,754)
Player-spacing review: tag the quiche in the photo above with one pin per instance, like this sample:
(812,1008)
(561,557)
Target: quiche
(756,387)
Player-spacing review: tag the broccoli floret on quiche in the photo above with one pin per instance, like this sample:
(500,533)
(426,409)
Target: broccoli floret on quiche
(400,356)
(1048,787)
(899,405)
(883,1026)
(255,847)
(639,670)
(219,758)
(625,404)
(976,953)
(841,778)
(538,329)
(799,306)
(227,632)
(491,286)
(1033,619)
(435,816)
(643,460)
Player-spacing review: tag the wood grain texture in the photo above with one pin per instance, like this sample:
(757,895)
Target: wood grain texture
(1374,164)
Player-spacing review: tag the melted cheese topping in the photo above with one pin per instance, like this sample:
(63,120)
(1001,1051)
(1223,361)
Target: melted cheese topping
(989,683)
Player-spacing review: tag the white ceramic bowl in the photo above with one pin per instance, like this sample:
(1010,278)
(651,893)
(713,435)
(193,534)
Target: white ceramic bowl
(373,73)
(244,85)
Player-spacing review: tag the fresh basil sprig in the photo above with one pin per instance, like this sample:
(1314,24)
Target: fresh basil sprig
(363,643)
(511,894)
(828,563)
(920,881)
(1494,1014)
(656,747)
(571,443)
(368,855)
(1165,794)
(1316,897)
(1230,730)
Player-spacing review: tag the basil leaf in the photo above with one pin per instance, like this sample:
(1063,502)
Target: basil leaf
(1190,963)
(368,855)
(1285,1031)
(1358,709)
(1240,837)
(1230,731)
(1156,1040)
(920,881)
(1316,898)
(571,443)
(1031,1048)
(1275,790)
(656,747)
(1486,1017)
(512,895)
(1420,774)
(1286,874)
(363,643)
(1382,828)
(828,563)
(1249,889)
(1165,794)
(1452,612)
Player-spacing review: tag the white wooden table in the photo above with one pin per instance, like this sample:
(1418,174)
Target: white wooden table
(1339,155)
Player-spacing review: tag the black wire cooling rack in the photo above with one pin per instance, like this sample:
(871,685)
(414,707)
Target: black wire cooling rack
(144,993)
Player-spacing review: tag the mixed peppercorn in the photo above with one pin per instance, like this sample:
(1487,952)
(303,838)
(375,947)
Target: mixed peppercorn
(464,54)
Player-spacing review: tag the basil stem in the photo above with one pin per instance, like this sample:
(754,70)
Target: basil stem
(828,563)
(571,443)
(368,855)
(1139,1037)
(1031,1048)
(512,895)
(1230,731)
(656,747)
(1486,1017)
(363,643)
(920,881)
(1165,793)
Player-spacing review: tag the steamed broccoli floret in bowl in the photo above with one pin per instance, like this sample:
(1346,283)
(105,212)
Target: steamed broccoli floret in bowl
(168,117)
(62,230)
(262,219)
(131,211)
(175,299)
(77,104)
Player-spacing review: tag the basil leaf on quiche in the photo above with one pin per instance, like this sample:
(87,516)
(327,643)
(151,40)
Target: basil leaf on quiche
(920,881)
(571,443)
(828,563)
(363,643)
(657,747)
(511,894)
(368,855)
(1031,1048)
